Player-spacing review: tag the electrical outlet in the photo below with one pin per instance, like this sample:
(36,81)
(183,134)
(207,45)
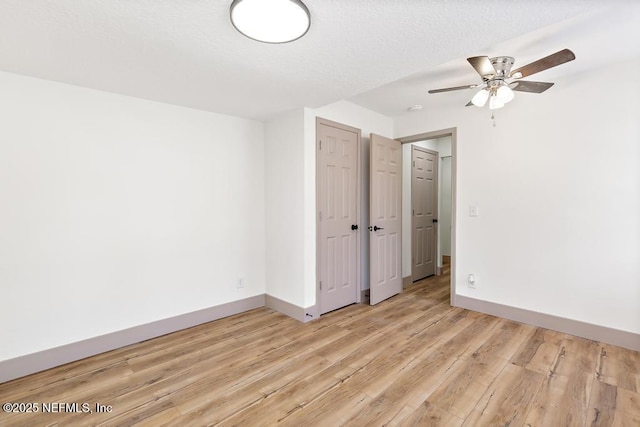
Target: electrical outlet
(471,280)
(240,283)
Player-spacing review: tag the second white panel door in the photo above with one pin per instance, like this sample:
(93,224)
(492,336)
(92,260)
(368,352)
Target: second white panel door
(385,218)
(424,202)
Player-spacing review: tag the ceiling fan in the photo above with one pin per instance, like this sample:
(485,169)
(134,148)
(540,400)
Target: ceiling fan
(499,82)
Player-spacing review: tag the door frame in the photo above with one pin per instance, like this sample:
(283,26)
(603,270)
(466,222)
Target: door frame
(452,133)
(358,132)
(437,226)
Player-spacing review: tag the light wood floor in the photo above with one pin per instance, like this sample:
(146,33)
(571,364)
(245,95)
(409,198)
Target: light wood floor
(411,360)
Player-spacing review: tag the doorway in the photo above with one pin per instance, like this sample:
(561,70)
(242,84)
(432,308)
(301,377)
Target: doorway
(424,212)
(339,232)
(444,143)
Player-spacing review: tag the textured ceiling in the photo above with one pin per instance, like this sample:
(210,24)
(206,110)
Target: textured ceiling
(603,37)
(186,52)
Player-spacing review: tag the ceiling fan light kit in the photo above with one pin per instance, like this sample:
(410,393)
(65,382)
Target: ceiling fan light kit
(270,21)
(495,103)
(505,94)
(480,98)
(499,82)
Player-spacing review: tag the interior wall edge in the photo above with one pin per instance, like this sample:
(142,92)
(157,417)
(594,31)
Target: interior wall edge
(296,312)
(407,281)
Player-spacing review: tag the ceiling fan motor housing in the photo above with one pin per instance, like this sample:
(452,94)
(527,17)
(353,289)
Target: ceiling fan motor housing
(502,65)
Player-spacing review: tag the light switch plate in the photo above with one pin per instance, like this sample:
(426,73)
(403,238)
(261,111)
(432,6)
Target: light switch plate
(473,210)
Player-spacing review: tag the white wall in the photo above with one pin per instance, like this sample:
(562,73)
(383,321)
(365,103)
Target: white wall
(284,184)
(557,183)
(115,212)
(369,122)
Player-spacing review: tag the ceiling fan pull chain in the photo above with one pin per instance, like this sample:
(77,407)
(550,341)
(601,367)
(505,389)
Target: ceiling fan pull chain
(493,117)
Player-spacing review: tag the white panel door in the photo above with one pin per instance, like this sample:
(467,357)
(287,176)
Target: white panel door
(424,218)
(338,148)
(385,218)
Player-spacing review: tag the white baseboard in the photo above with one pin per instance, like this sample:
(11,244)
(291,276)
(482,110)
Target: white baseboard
(599,333)
(299,313)
(45,359)
(35,362)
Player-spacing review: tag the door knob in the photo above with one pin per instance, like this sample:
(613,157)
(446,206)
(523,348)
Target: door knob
(376,228)
(354,226)
(435,220)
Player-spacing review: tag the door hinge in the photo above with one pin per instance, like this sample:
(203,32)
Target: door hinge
(320,147)
(413,212)
(320,284)
(414,163)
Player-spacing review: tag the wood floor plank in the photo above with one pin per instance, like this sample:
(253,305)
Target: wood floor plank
(414,352)
(197,393)
(216,340)
(507,401)
(539,352)
(105,374)
(429,415)
(628,407)
(460,393)
(217,404)
(613,406)
(411,385)
(410,360)
(160,418)
(150,410)
(603,404)
(563,397)
(415,384)
(297,396)
(619,366)
(348,394)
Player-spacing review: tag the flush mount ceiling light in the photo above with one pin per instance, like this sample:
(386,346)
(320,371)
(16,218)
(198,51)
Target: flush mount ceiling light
(271,21)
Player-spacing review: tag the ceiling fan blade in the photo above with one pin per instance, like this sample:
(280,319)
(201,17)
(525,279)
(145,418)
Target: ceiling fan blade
(483,66)
(448,89)
(545,63)
(531,87)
